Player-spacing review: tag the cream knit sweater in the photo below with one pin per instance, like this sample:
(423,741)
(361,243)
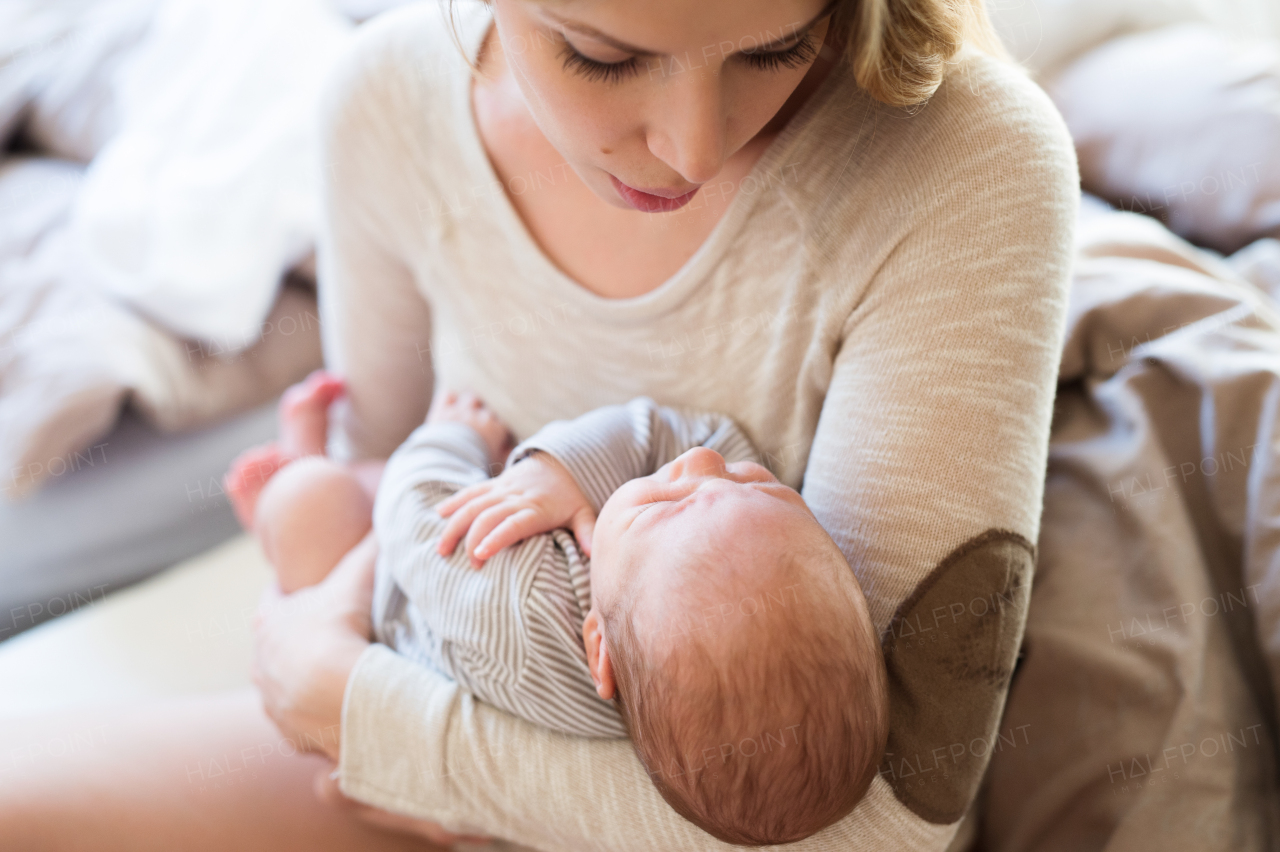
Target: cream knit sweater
(881,308)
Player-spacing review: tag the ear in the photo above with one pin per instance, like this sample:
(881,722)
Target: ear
(598,655)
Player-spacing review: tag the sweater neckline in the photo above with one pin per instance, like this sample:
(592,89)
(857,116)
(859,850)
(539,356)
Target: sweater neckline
(556,284)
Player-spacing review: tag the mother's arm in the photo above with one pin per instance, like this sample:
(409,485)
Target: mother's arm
(376,325)
(927,468)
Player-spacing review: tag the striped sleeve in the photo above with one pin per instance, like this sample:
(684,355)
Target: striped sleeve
(436,460)
(606,448)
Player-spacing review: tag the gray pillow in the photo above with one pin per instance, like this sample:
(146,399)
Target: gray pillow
(1181,123)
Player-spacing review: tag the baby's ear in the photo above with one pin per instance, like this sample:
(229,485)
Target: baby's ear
(598,655)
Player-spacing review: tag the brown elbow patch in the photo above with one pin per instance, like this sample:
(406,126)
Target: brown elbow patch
(950,651)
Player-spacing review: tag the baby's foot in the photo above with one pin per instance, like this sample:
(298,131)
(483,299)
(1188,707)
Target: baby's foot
(304,414)
(304,426)
(247,476)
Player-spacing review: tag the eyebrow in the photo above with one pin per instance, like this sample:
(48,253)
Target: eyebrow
(649,503)
(776,44)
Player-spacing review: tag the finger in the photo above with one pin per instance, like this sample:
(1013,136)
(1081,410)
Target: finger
(462,518)
(458,498)
(484,524)
(461,521)
(521,525)
(584,527)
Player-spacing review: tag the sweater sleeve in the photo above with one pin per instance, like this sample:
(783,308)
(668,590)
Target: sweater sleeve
(437,460)
(612,445)
(490,773)
(926,468)
(366,291)
(928,463)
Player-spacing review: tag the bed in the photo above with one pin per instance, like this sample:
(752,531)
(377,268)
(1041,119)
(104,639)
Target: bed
(133,503)
(149,317)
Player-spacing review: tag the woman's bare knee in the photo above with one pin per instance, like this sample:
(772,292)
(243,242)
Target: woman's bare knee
(198,774)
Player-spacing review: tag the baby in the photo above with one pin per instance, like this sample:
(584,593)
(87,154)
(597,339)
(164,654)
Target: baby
(715,623)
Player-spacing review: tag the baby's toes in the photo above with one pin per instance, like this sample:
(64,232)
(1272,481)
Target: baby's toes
(304,413)
(312,395)
(248,475)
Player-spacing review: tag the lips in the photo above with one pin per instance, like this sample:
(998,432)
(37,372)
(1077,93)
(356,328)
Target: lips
(652,201)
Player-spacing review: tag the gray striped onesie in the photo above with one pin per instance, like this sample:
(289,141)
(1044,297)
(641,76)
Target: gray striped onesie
(511,632)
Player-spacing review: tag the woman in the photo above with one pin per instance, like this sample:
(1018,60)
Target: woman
(846,226)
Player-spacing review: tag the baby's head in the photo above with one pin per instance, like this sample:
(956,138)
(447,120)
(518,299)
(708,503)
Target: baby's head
(739,648)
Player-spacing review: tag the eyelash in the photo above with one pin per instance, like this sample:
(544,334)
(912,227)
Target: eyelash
(798,54)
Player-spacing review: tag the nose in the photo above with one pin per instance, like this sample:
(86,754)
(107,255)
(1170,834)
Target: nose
(700,461)
(690,130)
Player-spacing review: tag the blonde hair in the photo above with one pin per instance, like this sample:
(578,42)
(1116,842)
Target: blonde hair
(898,49)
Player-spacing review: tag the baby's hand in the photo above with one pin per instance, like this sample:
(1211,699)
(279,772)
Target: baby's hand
(453,407)
(533,496)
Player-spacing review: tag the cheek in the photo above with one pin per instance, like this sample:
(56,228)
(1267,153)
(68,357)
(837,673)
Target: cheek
(577,117)
(753,97)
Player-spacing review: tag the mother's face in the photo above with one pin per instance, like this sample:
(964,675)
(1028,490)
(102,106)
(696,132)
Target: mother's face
(656,94)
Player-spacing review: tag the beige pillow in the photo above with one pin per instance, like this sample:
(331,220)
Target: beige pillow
(1182,123)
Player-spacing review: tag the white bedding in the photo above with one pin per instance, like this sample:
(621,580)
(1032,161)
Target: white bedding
(71,356)
(153,274)
(210,187)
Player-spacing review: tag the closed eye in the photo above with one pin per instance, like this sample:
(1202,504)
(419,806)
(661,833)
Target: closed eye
(800,53)
(642,508)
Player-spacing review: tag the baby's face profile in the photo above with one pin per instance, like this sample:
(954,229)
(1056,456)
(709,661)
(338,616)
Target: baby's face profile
(696,501)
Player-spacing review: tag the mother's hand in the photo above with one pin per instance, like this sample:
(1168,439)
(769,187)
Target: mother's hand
(306,645)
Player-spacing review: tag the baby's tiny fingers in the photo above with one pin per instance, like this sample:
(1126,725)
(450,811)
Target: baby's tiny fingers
(521,525)
(446,506)
(462,520)
(485,524)
(584,527)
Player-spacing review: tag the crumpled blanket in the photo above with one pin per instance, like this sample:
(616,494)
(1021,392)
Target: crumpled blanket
(1146,695)
(153,273)
(71,355)
(210,186)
